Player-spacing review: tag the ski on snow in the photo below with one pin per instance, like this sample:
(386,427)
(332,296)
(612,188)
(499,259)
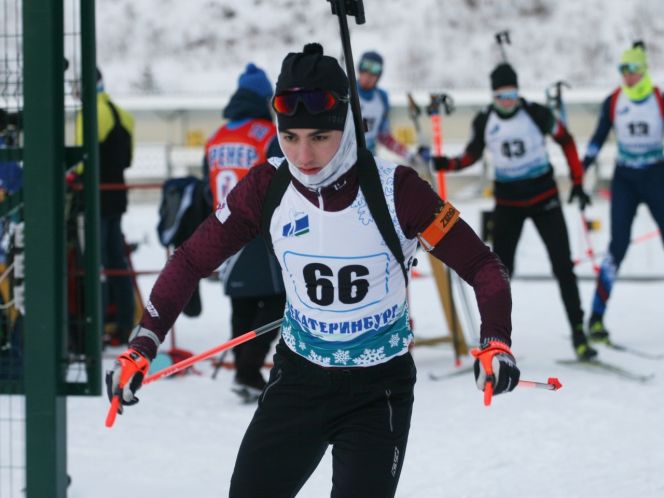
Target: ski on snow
(610,368)
(454,373)
(633,351)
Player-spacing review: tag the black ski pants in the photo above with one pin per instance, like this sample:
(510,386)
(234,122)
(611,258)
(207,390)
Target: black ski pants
(550,224)
(249,313)
(362,412)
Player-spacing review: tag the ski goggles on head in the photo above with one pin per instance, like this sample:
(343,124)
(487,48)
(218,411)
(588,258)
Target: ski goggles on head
(371,66)
(315,101)
(630,68)
(507,95)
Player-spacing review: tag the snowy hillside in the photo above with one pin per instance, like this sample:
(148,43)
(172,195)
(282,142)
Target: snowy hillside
(199,46)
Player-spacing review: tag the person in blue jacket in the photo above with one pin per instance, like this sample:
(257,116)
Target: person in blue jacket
(375,106)
(635,112)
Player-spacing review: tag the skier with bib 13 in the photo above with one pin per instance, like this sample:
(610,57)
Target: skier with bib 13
(635,111)
(342,375)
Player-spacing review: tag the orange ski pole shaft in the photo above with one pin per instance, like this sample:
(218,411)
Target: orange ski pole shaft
(181,365)
(645,236)
(437,133)
(443,103)
(488,391)
(487,364)
(113,411)
(115,401)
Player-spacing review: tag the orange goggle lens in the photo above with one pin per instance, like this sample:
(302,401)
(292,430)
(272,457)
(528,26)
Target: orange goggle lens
(315,101)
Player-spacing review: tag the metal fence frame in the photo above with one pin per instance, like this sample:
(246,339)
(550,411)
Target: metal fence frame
(45,158)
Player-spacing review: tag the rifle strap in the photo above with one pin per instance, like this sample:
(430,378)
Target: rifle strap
(372,190)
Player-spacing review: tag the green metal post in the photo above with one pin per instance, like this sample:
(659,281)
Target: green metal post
(45,408)
(91,189)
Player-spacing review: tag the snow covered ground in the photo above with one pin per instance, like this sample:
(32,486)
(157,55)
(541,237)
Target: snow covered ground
(598,436)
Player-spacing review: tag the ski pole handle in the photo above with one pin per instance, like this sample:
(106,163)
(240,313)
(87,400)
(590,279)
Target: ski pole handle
(181,365)
(502,38)
(356,10)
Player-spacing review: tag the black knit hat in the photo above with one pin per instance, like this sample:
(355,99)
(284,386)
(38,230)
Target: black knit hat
(311,70)
(503,75)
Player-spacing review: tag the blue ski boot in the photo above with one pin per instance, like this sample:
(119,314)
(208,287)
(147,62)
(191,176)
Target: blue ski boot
(597,331)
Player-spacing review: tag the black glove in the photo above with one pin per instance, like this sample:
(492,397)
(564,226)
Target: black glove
(126,377)
(495,369)
(444,163)
(580,194)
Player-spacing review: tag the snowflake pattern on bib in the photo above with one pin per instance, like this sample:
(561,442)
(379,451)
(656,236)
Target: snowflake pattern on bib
(370,348)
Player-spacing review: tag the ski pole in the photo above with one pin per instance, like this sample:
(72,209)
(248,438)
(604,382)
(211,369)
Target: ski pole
(589,247)
(635,240)
(355,8)
(435,114)
(125,377)
(644,237)
(181,365)
(414,112)
(555,98)
(552,384)
(112,411)
(219,364)
(502,39)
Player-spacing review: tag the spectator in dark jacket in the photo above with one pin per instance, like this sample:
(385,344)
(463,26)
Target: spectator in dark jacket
(116,145)
(252,277)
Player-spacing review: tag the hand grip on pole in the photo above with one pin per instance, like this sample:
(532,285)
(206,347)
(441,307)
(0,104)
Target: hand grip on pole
(186,363)
(552,384)
(354,8)
(116,401)
(487,364)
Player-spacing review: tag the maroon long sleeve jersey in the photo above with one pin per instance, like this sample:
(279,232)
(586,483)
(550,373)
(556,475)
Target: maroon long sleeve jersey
(230,228)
